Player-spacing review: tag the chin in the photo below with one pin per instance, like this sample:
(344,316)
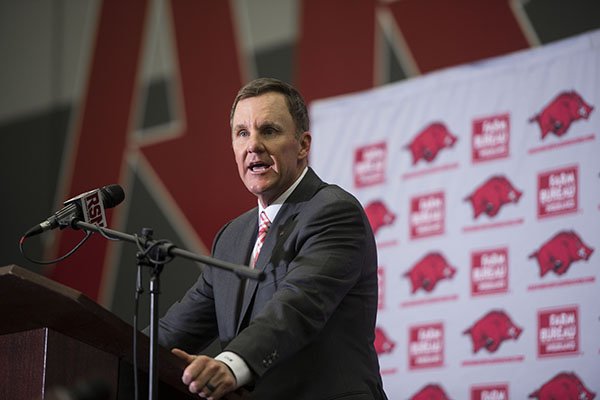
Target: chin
(257,190)
(258,183)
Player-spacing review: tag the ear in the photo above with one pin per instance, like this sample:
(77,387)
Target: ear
(305,140)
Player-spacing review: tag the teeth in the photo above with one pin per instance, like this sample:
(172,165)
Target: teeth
(258,167)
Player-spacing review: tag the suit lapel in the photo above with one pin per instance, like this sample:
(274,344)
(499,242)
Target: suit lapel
(242,244)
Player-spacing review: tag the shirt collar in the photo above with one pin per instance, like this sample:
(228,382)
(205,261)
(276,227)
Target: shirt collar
(272,209)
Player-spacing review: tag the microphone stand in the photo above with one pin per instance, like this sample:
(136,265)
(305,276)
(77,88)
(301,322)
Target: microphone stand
(162,251)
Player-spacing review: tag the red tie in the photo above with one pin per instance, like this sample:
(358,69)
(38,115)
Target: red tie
(263,228)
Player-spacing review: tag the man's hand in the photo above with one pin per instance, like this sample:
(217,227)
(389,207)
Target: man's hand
(206,376)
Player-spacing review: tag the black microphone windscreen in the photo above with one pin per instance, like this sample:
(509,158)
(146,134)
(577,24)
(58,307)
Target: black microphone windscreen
(112,195)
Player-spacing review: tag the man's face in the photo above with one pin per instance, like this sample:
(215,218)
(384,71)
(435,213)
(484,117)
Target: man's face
(268,154)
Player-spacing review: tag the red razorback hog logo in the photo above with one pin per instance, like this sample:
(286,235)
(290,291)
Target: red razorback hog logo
(492,195)
(431,392)
(428,271)
(427,144)
(383,344)
(379,215)
(565,385)
(558,253)
(491,330)
(557,116)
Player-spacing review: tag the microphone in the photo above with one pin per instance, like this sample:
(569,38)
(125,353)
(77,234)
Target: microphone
(88,206)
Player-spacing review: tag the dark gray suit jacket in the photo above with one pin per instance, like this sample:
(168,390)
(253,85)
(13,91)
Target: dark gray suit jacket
(307,330)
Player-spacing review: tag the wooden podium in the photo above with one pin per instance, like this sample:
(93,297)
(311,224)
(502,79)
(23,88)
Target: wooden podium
(54,338)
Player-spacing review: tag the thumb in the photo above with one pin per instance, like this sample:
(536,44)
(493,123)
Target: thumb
(183,355)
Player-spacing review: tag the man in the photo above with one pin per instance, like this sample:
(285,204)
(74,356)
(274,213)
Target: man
(307,330)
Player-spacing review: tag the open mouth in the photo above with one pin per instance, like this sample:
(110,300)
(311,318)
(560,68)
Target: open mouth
(258,166)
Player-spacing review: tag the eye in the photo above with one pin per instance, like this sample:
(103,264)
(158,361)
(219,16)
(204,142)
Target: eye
(270,130)
(242,133)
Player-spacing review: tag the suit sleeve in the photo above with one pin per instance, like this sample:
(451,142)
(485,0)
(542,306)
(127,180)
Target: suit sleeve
(190,324)
(326,257)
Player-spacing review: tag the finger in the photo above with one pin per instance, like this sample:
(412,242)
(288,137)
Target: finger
(217,380)
(191,371)
(211,388)
(212,391)
(209,391)
(194,375)
(183,355)
(207,382)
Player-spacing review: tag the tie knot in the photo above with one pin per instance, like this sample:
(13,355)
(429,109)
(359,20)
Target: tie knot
(264,225)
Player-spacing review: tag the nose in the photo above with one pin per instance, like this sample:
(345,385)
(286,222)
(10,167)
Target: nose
(255,144)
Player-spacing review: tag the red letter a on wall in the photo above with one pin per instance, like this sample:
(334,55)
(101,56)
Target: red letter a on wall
(196,167)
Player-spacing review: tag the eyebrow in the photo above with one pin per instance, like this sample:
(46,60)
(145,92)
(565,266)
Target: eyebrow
(270,124)
(265,124)
(238,127)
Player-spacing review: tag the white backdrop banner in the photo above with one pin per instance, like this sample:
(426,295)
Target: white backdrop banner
(482,185)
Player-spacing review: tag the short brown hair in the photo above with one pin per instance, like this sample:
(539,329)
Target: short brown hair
(294,100)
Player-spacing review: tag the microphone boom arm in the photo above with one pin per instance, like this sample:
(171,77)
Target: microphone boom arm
(171,250)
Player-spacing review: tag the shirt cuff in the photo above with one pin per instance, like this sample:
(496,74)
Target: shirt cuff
(238,366)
